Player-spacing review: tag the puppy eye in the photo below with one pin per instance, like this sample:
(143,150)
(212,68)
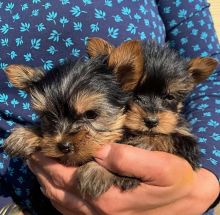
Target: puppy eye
(73,132)
(168,97)
(90,114)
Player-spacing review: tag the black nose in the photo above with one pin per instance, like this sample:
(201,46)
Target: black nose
(151,122)
(65,147)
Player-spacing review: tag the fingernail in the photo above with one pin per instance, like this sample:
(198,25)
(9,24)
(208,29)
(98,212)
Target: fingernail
(103,152)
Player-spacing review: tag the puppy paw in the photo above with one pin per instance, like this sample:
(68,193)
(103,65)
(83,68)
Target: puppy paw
(93,180)
(22,142)
(126,183)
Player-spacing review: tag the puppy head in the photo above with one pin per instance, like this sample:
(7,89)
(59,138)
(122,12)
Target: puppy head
(126,60)
(165,82)
(81,106)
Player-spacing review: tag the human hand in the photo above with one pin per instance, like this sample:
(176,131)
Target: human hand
(169,185)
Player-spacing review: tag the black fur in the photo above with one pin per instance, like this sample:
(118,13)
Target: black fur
(55,98)
(93,75)
(162,67)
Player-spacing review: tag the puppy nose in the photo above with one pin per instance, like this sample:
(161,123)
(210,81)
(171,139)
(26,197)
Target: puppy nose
(65,147)
(151,122)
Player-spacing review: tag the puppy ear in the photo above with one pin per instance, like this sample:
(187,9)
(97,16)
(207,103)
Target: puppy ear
(127,62)
(201,67)
(97,46)
(22,76)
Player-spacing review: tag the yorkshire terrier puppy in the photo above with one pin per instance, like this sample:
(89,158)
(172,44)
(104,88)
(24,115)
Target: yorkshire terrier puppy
(159,83)
(81,107)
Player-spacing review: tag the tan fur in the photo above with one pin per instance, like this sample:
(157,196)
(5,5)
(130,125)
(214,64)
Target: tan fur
(91,136)
(85,101)
(38,101)
(201,68)
(90,101)
(136,115)
(85,142)
(22,142)
(20,76)
(135,118)
(167,122)
(97,46)
(25,141)
(127,61)
(160,139)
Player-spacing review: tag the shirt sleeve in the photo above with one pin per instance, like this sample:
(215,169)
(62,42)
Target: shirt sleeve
(190,30)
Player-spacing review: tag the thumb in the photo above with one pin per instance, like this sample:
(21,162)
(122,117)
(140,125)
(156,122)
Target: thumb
(153,167)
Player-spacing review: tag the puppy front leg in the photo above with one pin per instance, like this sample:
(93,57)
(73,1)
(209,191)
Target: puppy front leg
(93,180)
(22,142)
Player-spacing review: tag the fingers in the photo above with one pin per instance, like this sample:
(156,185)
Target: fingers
(61,176)
(58,195)
(155,168)
(58,185)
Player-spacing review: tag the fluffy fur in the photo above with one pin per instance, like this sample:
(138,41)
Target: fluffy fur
(81,107)
(153,119)
(131,94)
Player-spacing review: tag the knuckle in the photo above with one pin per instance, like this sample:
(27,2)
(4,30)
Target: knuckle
(119,158)
(117,165)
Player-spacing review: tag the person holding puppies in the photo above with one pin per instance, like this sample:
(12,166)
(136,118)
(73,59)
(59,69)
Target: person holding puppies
(184,25)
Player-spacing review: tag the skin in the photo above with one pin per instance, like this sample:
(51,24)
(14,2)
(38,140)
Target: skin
(165,189)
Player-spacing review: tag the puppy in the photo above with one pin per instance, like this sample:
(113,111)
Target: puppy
(159,84)
(81,107)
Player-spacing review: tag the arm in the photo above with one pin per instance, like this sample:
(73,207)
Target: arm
(190,30)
